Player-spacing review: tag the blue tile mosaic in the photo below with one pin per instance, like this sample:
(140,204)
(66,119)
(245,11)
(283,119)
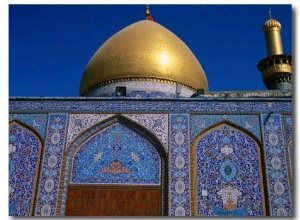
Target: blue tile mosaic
(228,169)
(176,122)
(277,173)
(116,155)
(24,151)
(37,121)
(46,203)
(179,161)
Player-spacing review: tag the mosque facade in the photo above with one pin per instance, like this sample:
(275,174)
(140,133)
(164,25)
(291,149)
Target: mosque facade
(152,139)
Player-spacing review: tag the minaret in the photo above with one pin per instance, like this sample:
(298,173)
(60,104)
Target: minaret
(276,68)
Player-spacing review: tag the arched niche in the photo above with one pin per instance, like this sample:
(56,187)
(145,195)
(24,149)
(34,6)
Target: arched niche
(227,173)
(25,149)
(111,158)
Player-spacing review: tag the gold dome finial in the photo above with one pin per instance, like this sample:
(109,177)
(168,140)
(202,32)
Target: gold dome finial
(147,12)
(148,16)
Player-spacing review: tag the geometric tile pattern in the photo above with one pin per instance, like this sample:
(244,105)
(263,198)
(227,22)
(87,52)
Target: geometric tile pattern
(78,123)
(157,123)
(179,163)
(228,175)
(51,165)
(24,151)
(116,155)
(249,122)
(37,121)
(148,106)
(277,173)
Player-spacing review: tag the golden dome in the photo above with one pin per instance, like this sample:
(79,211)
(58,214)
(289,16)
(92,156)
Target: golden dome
(270,24)
(143,51)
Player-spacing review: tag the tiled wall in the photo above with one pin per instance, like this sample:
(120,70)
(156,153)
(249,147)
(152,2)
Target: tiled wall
(215,159)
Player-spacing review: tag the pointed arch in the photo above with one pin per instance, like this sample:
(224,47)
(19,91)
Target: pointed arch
(227,127)
(28,168)
(233,125)
(77,143)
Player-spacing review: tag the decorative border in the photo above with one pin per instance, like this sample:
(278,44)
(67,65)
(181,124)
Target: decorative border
(179,168)
(276,166)
(51,165)
(143,106)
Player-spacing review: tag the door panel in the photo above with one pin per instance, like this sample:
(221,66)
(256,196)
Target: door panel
(114,201)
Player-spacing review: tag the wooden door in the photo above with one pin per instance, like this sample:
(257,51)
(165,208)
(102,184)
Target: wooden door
(114,201)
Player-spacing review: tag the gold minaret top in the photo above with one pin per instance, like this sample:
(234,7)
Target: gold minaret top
(272,30)
(276,68)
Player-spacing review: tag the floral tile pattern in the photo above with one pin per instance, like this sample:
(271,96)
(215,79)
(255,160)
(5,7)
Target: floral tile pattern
(179,162)
(116,155)
(51,168)
(24,149)
(277,173)
(228,171)
(175,124)
(37,121)
(78,123)
(157,123)
(249,122)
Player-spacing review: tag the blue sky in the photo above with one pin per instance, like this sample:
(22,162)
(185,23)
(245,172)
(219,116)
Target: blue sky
(50,45)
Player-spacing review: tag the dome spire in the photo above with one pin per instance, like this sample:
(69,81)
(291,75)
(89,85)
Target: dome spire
(270,13)
(148,16)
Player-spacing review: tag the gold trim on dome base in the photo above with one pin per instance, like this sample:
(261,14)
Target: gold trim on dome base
(130,79)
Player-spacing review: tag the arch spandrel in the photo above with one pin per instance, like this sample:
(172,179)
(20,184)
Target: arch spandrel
(227,173)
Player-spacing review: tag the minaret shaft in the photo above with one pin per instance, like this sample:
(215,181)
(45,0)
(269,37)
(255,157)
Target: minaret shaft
(273,40)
